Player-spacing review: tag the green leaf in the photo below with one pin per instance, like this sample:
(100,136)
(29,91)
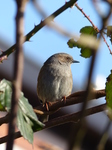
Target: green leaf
(108,90)
(27,120)
(25,127)
(108,98)
(88,30)
(5,96)
(85,51)
(109,113)
(109,32)
(71,43)
(1,107)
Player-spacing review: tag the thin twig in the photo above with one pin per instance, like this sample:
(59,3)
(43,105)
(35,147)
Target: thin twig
(5,138)
(18,72)
(4,119)
(88,18)
(95,27)
(38,27)
(62,120)
(83,109)
(75,117)
(86,40)
(90,73)
(85,98)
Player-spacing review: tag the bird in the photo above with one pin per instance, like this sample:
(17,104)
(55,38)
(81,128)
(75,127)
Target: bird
(55,80)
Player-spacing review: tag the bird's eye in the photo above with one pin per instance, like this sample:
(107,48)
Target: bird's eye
(67,58)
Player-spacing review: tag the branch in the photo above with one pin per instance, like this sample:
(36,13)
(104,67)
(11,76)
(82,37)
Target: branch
(87,93)
(95,27)
(5,54)
(4,119)
(18,72)
(85,40)
(88,88)
(74,117)
(62,120)
(74,98)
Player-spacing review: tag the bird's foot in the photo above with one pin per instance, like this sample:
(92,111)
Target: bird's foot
(64,99)
(47,104)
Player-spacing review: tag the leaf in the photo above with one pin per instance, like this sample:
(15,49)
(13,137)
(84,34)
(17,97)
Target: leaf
(27,120)
(5,96)
(85,51)
(109,113)
(88,30)
(71,43)
(109,32)
(24,127)
(108,91)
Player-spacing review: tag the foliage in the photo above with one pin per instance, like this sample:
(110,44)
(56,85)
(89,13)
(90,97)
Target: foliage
(27,120)
(108,91)
(109,32)
(85,51)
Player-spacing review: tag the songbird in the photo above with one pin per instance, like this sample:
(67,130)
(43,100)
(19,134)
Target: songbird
(55,78)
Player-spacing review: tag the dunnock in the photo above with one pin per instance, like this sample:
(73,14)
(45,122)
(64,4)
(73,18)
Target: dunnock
(55,78)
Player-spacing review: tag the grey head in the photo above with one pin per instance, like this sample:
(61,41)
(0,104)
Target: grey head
(61,58)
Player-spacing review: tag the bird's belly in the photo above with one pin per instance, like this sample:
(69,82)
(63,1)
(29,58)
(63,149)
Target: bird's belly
(58,88)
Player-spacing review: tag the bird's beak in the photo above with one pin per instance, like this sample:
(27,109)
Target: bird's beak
(75,61)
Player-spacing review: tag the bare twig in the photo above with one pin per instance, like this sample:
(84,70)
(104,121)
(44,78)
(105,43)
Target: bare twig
(5,138)
(90,72)
(75,117)
(18,72)
(83,109)
(95,27)
(85,40)
(87,92)
(62,120)
(38,27)
(4,119)
(3,58)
